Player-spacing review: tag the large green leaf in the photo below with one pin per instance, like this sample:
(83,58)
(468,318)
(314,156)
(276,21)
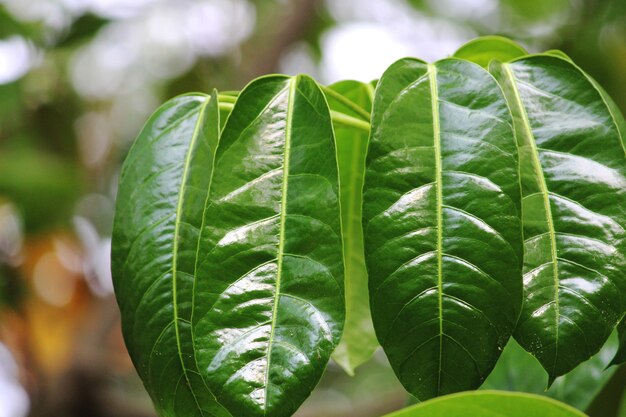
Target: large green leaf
(441,220)
(620,121)
(268,306)
(620,356)
(489,404)
(518,370)
(482,50)
(160,200)
(354,99)
(622,406)
(573,176)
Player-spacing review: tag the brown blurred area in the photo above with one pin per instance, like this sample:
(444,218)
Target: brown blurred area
(79,77)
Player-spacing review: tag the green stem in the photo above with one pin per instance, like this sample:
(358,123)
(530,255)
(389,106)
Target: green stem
(223,98)
(347,102)
(226,106)
(344,119)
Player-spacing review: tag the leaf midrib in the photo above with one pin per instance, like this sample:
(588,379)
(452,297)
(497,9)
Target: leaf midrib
(362,113)
(432,70)
(543,189)
(281,239)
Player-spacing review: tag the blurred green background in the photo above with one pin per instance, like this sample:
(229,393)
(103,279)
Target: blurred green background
(79,77)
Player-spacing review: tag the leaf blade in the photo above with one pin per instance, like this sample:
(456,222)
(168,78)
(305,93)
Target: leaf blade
(567,134)
(620,355)
(157,201)
(417,210)
(489,404)
(269,303)
(483,49)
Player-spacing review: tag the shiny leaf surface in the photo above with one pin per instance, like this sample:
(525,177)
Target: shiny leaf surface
(161,194)
(358,342)
(518,370)
(441,220)
(268,305)
(489,404)
(482,50)
(573,176)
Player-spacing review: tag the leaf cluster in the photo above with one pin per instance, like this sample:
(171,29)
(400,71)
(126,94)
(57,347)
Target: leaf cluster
(440,212)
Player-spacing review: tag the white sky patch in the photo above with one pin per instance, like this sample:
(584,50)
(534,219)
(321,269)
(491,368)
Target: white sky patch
(368,39)
(17,57)
(360,51)
(298,59)
(15,402)
(115,9)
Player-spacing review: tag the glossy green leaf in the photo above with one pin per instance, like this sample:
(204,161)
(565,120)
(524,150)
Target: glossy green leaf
(489,404)
(620,121)
(558,53)
(620,355)
(482,50)
(573,176)
(518,370)
(616,114)
(441,220)
(161,196)
(354,99)
(268,306)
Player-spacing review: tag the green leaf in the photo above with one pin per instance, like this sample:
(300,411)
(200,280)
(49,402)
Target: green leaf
(518,370)
(622,406)
(489,404)
(620,356)
(163,186)
(558,53)
(615,112)
(620,121)
(482,50)
(574,200)
(268,306)
(441,220)
(358,342)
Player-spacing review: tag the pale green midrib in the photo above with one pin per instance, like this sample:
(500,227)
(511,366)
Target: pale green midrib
(347,102)
(281,238)
(543,188)
(439,203)
(179,206)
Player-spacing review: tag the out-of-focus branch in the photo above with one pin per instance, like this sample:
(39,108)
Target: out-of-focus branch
(292,24)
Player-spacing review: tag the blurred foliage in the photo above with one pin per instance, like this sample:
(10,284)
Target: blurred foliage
(9,26)
(49,182)
(77,81)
